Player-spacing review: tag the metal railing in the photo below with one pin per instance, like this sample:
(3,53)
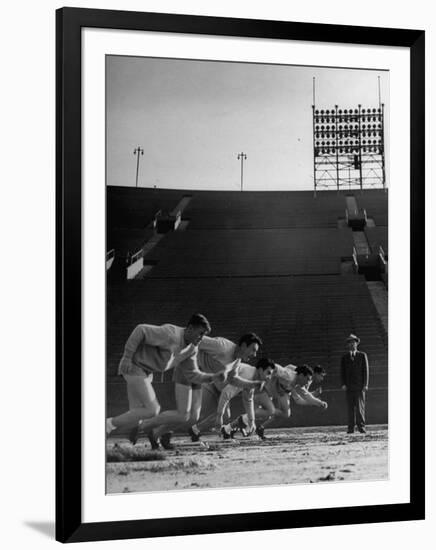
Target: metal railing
(355,262)
(355,212)
(110,257)
(383,258)
(178,219)
(154,223)
(131,259)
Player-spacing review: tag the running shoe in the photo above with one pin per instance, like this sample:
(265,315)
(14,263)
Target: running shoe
(233,432)
(260,431)
(154,442)
(165,441)
(226,432)
(134,435)
(194,434)
(242,426)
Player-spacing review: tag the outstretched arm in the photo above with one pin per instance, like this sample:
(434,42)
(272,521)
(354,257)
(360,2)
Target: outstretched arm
(243,383)
(189,351)
(303,397)
(226,395)
(236,378)
(194,375)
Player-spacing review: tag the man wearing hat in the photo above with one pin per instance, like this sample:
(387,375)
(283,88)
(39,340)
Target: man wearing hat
(354,380)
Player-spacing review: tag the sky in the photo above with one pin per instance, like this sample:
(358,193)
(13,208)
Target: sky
(192,118)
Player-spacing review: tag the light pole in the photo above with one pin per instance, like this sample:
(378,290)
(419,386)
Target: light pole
(138,151)
(242,157)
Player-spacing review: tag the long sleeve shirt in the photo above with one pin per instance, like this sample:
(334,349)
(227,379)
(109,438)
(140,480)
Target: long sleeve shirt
(152,348)
(216,354)
(285,381)
(192,372)
(218,350)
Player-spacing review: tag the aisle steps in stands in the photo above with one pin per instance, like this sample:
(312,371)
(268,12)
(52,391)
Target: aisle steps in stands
(379,296)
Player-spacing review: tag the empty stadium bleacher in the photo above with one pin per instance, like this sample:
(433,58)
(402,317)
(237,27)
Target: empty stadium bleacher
(262,210)
(135,207)
(375,202)
(256,252)
(128,240)
(377,236)
(131,207)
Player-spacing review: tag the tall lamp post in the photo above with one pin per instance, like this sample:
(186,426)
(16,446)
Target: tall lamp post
(242,157)
(138,151)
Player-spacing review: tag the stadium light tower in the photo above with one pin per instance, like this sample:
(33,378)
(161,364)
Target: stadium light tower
(242,157)
(348,145)
(138,151)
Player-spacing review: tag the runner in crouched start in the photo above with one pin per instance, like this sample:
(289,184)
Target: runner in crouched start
(260,375)
(153,349)
(319,373)
(214,355)
(274,401)
(188,380)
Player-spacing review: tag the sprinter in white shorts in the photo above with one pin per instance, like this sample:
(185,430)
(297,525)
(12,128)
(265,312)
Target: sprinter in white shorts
(151,349)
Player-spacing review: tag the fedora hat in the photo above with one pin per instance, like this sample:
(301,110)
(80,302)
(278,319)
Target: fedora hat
(353,338)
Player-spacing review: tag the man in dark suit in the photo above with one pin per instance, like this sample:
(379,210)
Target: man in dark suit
(354,380)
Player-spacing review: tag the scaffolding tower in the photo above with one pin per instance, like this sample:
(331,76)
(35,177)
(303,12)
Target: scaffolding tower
(348,148)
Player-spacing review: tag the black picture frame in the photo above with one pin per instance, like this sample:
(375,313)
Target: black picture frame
(69,22)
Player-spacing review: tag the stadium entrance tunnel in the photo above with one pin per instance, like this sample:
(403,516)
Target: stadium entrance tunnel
(166,222)
(356,220)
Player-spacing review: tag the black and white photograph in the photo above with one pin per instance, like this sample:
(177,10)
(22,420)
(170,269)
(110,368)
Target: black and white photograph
(217,286)
(247,263)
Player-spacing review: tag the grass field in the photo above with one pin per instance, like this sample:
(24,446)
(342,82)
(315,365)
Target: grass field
(289,456)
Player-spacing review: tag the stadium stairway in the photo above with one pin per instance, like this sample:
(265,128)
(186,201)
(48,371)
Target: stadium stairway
(379,296)
(361,243)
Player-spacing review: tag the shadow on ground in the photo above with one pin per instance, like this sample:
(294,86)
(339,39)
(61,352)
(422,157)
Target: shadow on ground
(46,528)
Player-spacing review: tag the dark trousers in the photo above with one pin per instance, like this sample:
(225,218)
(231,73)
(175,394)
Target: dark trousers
(356,409)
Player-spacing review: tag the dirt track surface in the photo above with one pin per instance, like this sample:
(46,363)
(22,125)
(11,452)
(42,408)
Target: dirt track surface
(289,456)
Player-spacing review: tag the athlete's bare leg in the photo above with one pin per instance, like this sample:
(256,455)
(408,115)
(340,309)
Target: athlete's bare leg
(223,408)
(196,406)
(264,407)
(143,402)
(266,410)
(175,417)
(209,404)
(194,415)
(282,409)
